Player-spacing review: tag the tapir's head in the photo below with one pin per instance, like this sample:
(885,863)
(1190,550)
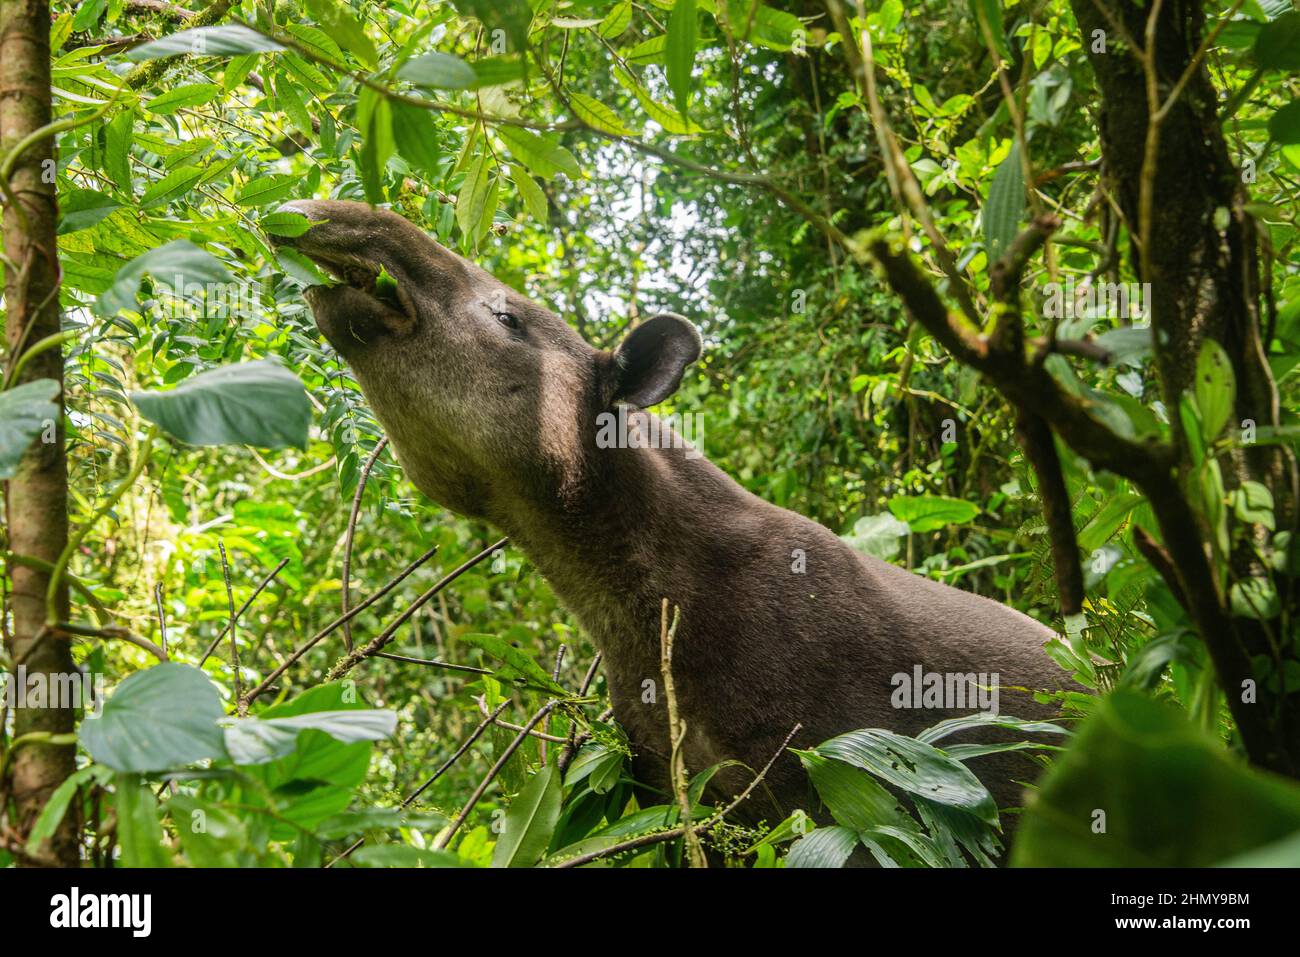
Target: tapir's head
(483,393)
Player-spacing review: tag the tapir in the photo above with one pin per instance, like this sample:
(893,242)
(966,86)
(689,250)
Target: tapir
(498,410)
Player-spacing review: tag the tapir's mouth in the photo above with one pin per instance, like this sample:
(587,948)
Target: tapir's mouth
(366,277)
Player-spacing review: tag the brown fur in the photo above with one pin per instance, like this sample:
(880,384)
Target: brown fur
(500,425)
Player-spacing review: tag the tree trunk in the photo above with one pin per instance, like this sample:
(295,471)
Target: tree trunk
(36,497)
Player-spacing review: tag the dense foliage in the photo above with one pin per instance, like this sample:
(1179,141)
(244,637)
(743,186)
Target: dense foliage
(730,161)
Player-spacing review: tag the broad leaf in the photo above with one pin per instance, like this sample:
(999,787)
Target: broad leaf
(530,822)
(257,403)
(24,410)
(206,41)
(160,718)
(259,740)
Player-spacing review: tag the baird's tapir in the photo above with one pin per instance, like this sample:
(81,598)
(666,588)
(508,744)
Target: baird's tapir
(498,410)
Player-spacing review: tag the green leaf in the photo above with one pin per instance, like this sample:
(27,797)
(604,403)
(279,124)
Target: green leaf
(24,410)
(597,115)
(82,208)
(1216,389)
(647,51)
(498,71)
(285,224)
(257,403)
(139,833)
(471,201)
(1278,45)
(403,855)
(512,17)
(415,135)
(117,149)
(1253,504)
(680,52)
(1254,598)
(915,767)
(209,834)
(441,71)
(342,26)
(206,41)
(1005,206)
(1171,796)
(520,667)
(259,740)
(174,184)
(57,806)
(181,97)
(543,157)
(267,189)
(530,822)
(928,513)
(533,198)
(616,21)
(1284,125)
(824,847)
(877,535)
(160,718)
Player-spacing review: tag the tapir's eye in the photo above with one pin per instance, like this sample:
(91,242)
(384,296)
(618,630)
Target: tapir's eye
(509,320)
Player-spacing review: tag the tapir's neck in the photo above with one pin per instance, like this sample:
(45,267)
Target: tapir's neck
(643,523)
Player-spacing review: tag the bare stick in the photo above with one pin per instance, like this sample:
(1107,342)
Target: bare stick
(478,733)
(328,629)
(434,663)
(345,594)
(540,735)
(162,617)
(555,676)
(349,661)
(241,706)
(677,734)
(447,835)
(243,608)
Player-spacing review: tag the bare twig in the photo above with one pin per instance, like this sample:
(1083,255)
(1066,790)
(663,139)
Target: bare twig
(372,648)
(329,629)
(571,748)
(519,739)
(468,743)
(345,594)
(434,663)
(243,608)
(162,615)
(241,705)
(677,734)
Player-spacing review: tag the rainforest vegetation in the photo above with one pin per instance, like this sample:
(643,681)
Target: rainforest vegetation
(1006,293)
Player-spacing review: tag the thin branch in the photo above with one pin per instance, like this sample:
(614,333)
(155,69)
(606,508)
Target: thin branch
(442,769)
(329,629)
(242,608)
(445,838)
(345,593)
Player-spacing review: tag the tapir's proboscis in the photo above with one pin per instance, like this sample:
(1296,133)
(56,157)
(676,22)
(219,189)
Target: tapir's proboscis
(491,403)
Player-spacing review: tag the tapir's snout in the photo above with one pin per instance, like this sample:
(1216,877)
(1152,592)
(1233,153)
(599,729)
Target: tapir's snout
(382,263)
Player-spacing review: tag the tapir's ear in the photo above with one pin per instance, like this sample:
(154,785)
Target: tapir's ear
(649,363)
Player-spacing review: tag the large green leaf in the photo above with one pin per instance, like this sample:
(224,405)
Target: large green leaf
(915,767)
(160,718)
(877,535)
(1005,206)
(543,157)
(1216,389)
(139,832)
(439,71)
(24,410)
(520,668)
(928,513)
(223,41)
(259,740)
(1143,786)
(1277,47)
(824,847)
(530,822)
(680,52)
(251,403)
(178,263)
